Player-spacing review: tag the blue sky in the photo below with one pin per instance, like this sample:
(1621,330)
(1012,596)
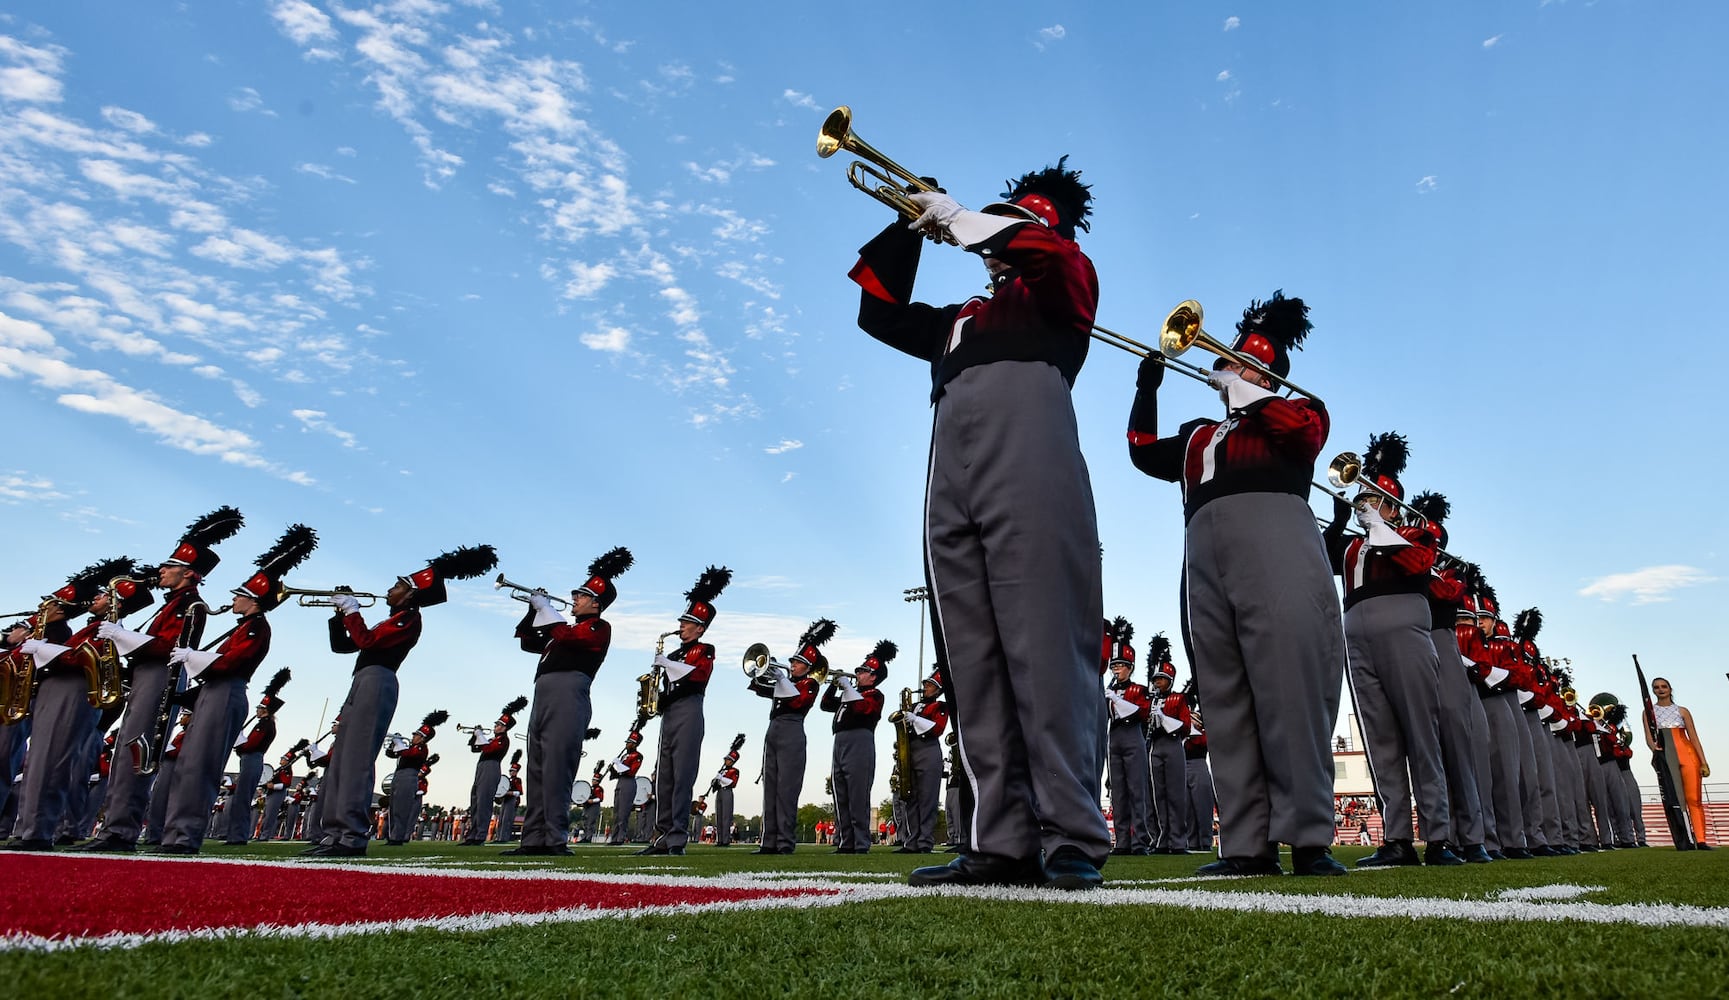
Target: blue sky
(560,277)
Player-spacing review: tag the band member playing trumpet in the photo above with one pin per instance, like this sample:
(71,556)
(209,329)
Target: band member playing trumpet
(61,718)
(783,750)
(687,670)
(491,747)
(346,792)
(1127,705)
(1392,659)
(180,621)
(251,750)
(857,706)
(1011,537)
(1262,615)
(929,720)
(411,759)
(570,655)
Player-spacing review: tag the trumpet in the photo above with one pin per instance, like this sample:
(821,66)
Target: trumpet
(827,676)
(524,593)
(325,598)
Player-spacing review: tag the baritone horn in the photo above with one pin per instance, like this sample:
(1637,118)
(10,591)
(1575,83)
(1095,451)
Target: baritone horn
(759,662)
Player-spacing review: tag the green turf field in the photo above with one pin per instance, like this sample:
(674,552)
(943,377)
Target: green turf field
(932,945)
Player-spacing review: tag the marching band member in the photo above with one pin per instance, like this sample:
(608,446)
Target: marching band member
(276,791)
(1504,656)
(61,719)
(1011,536)
(929,721)
(1128,705)
(1473,630)
(1262,617)
(570,656)
(162,788)
(1393,667)
(491,749)
(783,746)
(507,802)
(857,706)
(1167,727)
(1624,763)
(219,701)
(405,788)
(251,750)
(1532,685)
(1464,727)
(724,783)
(686,670)
(591,807)
(624,768)
(346,791)
(179,621)
(1200,780)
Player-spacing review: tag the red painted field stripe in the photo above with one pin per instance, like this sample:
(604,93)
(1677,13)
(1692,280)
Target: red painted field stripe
(60,897)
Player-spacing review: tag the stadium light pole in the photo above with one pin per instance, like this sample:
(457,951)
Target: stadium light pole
(919,595)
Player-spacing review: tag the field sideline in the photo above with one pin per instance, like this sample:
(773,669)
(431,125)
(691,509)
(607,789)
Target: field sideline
(725,922)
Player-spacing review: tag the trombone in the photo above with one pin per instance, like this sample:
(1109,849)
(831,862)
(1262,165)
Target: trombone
(324,598)
(1346,469)
(523,593)
(894,186)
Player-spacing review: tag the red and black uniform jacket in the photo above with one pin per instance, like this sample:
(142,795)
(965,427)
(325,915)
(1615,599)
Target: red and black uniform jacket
(1504,653)
(1195,747)
(169,627)
(850,715)
(1269,446)
(385,645)
(578,646)
(731,776)
(1174,706)
(425,771)
(1042,310)
(1474,651)
(1623,756)
(282,778)
(103,761)
(798,706)
(700,655)
(410,757)
(632,763)
(1372,571)
(493,749)
(263,734)
(596,794)
(1446,596)
(1136,695)
(242,652)
(933,710)
(59,633)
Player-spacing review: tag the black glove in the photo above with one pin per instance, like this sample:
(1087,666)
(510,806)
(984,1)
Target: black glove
(592,734)
(1342,511)
(1151,374)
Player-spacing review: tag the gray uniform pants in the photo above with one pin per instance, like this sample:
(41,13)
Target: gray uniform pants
(12,739)
(245,788)
(1269,657)
(128,791)
(556,725)
(952,813)
(80,789)
(269,829)
(94,803)
(1506,738)
(313,828)
(217,719)
(855,768)
(590,821)
(1602,831)
(1634,803)
(681,731)
(404,805)
(486,774)
(1464,744)
(1131,788)
(156,810)
(1012,556)
(60,727)
(1575,804)
(291,819)
(345,796)
(623,805)
(1548,802)
(1394,683)
(1169,773)
(783,763)
(723,816)
(1200,781)
(926,781)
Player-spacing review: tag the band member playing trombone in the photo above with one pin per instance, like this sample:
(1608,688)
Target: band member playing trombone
(687,670)
(251,750)
(491,746)
(783,751)
(179,622)
(857,706)
(345,794)
(1011,537)
(570,655)
(1262,615)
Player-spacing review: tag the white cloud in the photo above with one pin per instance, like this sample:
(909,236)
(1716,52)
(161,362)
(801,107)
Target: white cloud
(613,340)
(786,445)
(1650,585)
(323,172)
(800,100)
(33,76)
(16,486)
(247,99)
(588,279)
(1489,43)
(302,22)
(1224,75)
(314,420)
(1050,36)
(1232,23)
(197,140)
(129,121)
(1426,183)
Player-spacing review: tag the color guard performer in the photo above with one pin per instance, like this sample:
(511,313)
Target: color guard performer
(251,750)
(491,747)
(1167,727)
(1011,536)
(929,721)
(686,671)
(1129,706)
(624,768)
(570,655)
(857,706)
(405,791)
(180,621)
(1262,617)
(346,791)
(783,748)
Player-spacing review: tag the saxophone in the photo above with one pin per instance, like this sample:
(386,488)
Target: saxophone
(903,768)
(18,676)
(99,659)
(649,685)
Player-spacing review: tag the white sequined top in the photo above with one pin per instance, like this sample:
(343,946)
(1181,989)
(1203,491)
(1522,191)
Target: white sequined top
(1667,716)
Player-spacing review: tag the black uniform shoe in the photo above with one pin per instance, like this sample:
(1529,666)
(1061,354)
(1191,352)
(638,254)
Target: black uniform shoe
(785,850)
(177,849)
(1121,850)
(563,851)
(1241,866)
(1702,846)
(337,851)
(1142,852)
(1069,869)
(654,849)
(28,845)
(1516,854)
(110,844)
(1497,856)
(524,851)
(1314,861)
(978,869)
(395,843)
(1437,855)
(903,850)
(764,850)
(1545,852)
(1476,854)
(1391,854)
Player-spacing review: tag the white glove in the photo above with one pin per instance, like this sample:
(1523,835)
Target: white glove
(178,655)
(540,602)
(939,210)
(1367,517)
(1237,392)
(346,603)
(29,646)
(108,630)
